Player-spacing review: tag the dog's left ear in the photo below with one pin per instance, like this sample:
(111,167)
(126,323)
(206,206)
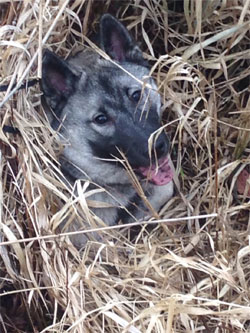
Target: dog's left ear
(58,81)
(117,42)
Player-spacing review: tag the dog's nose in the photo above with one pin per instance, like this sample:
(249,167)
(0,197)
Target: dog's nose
(161,147)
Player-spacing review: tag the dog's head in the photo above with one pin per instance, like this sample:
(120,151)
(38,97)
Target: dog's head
(104,107)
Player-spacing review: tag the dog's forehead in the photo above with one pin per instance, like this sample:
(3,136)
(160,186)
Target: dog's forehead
(126,75)
(135,75)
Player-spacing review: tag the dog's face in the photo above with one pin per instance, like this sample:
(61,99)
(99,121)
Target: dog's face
(102,109)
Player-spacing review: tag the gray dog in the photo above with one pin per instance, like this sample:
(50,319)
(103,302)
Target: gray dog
(105,112)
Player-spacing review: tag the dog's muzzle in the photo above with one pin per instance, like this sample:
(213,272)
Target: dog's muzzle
(159,173)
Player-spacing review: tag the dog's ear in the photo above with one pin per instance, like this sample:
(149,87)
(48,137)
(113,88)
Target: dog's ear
(117,42)
(58,81)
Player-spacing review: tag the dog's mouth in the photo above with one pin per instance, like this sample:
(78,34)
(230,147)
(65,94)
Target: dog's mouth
(160,174)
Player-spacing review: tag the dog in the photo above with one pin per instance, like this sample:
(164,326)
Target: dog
(106,111)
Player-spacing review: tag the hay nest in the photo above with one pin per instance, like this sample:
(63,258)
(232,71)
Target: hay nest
(189,273)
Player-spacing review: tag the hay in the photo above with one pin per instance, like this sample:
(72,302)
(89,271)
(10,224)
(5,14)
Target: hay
(189,273)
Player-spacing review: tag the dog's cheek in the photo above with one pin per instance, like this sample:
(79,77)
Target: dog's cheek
(104,148)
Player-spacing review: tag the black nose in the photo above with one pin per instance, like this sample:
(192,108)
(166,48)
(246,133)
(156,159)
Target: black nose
(162,146)
(159,148)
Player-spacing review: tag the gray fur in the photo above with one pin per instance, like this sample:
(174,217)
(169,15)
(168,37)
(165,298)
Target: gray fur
(87,86)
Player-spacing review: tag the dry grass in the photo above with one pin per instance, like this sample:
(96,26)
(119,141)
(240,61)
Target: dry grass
(188,274)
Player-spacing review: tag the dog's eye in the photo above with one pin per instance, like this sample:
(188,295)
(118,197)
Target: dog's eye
(135,96)
(101,119)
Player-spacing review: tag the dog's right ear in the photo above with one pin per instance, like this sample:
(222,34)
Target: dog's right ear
(58,81)
(117,43)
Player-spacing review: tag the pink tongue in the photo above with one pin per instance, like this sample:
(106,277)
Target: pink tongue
(159,176)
